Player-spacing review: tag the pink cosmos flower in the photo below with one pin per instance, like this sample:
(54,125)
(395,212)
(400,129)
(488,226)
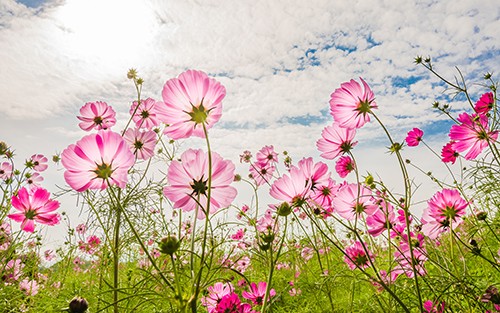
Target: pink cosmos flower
(49,255)
(13,270)
(5,236)
(37,162)
(239,234)
(257,293)
(357,257)
(293,189)
(445,209)
(96,161)
(335,141)
(192,99)
(188,182)
(344,165)
(96,115)
(473,135)
(81,228)
(33,180)
(267,155)
(431,307)
(29,287)
(448,153)
(352,200)
(242,264)
(485,103)
(149,114)
(5,170)
(262,173)
(230,303)
(245,157)
(317,174)
(322,197)
(351,103)
(141,143)
(414,137)
(34,205)
(215,295)
(382,220)
(404,264)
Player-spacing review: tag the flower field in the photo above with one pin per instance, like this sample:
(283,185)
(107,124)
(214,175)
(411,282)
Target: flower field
(172,240)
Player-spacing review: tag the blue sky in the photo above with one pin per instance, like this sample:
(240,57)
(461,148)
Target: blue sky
(279,61)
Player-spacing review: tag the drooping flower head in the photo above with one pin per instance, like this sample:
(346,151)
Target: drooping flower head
(485,103)
(149,114)
(96,161)
(192,99)
(448,153)
(96,115)
(188,182)
(414,137)
(357,256)
(34,205)
(472,135)
(141,143)
(335,140)
(445,209)
(351,103)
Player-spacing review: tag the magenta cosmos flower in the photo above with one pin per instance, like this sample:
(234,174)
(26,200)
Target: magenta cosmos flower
(188,182)
(96,115)
(257,293)
(448,153)
(357,257)
(335,141)
(192,99)
(473,134)
(485,103)
(352,200)
(351,103)
(344,165)
(96,161)
(445,209)
(141,143)
(149,114)
(34,205)
(414,137)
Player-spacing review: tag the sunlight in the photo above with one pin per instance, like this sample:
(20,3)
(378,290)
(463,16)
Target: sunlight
(111,33)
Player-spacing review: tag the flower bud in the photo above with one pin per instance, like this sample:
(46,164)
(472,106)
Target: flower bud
(169,245)
(284,209)
(78,305)
(482,216)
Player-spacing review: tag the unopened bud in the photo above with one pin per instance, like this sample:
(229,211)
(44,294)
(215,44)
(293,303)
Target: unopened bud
(169,245)
(78,305)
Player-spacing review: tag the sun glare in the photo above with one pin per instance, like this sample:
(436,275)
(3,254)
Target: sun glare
(111,33)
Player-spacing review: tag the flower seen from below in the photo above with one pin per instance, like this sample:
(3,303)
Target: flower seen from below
(352,200)
(351,103)
(38,162)
(448,153)
(96,115)
(34,205)
(358,256)
(257,293)
(344,165)
(97,161)
(414,137)
(336,140)
(141,143)
(188,182)
(149,114)
(485,103)
(191,100)
(5,170)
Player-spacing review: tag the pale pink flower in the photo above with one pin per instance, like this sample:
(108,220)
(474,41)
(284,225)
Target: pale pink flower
(404,264)
(34,205)
(485,103)
(29,287)
(13,270)
(49,255)
(352,200)
(267,155)
(96,161)
(5,236)
(192,99)
(242,264)
(262,173)
(448,153)
(188,182)
(293,188)
(37,162)
(141,143)
(358,256)
(336,140)
(81,228)
(96,115)
(33,179)
(344,165)
(445,209)
(5,170)
(472,135)
(294,292)
(414,137)
(317,174)
(267,224)
(351,103)
(257,293)
(322,196)
(149,114)
(307,253)
(382,220)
